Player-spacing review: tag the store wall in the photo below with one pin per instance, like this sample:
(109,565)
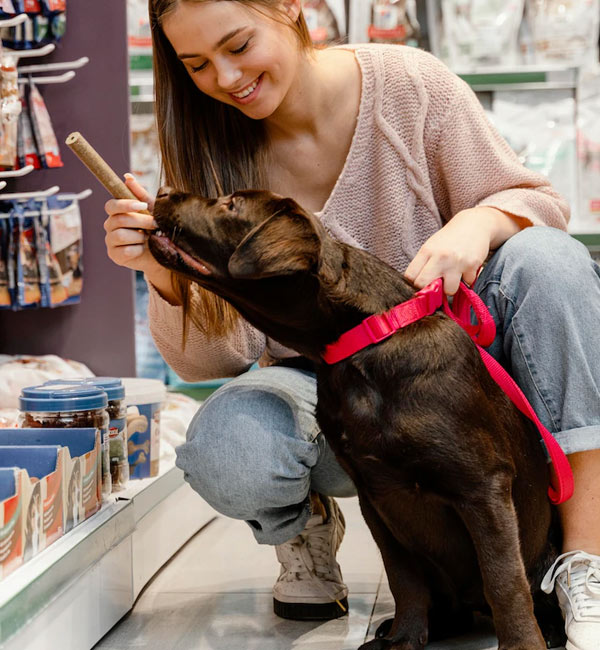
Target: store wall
(99,331)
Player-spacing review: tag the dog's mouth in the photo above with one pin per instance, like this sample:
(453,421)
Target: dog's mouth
(173,256)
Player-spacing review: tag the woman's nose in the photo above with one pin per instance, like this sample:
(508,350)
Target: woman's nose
(228,76)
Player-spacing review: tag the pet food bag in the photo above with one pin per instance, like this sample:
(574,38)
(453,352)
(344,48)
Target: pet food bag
(64,251)
(394,21)
(482,32)
(321,21)
(564,32)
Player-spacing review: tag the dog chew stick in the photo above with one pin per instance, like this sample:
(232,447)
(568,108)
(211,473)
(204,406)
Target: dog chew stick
(100,168)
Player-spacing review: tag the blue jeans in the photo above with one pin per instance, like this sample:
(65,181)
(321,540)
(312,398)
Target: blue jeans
(254,450)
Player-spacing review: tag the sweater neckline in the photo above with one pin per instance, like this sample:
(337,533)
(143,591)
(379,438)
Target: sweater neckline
(322,214)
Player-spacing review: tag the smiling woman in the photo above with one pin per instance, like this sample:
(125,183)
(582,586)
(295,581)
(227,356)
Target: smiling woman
(242,56)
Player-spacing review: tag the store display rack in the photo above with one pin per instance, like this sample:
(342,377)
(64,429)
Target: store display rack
(71,594)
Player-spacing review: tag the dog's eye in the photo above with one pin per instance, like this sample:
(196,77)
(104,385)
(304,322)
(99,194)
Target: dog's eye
(231,205)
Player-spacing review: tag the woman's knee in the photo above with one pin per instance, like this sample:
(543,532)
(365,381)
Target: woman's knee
(246,450)
(544,257)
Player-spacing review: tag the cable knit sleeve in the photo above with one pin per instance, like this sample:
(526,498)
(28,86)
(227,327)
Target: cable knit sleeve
(474,166)
(202,358)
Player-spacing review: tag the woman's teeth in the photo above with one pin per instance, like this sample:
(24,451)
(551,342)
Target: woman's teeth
(247,91)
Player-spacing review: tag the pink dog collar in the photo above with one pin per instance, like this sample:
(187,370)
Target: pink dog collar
(379,327)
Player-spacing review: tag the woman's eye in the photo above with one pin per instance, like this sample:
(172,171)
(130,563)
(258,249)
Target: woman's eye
(241,49)
(199,67)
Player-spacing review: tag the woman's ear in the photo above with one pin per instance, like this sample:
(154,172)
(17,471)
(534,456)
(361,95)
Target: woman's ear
(292,8)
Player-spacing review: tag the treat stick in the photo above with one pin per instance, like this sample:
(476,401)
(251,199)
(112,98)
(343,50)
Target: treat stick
(99,167)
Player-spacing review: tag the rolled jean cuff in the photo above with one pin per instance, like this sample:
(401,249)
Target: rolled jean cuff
(287,530)
(579,439)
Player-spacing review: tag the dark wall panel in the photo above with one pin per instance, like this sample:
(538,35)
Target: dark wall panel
(100,330)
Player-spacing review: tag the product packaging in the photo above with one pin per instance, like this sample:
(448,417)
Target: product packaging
(45,138)
(10,108)
(27,153)
(65,259)
(5,299)
(539,125)
(588,151)
(482,32)
(14,498)
(28,276)
(321,21)
(144,398)
(69,407)
(564,32)
(394,21)
(43,522)
(81,481)
(117,413)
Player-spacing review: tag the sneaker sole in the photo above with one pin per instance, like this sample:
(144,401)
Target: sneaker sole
(310,611)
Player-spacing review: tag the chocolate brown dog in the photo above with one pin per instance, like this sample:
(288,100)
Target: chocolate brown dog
(451,478)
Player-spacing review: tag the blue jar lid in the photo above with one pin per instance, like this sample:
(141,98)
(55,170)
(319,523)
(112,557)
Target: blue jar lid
(71,397)
(112,386)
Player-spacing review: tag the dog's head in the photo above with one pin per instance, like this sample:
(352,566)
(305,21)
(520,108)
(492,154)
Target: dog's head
(248,235)
(275,263)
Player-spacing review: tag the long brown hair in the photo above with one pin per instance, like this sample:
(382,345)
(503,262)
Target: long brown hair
(207,147)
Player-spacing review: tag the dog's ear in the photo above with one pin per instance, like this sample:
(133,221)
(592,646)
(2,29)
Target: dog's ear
(286,243)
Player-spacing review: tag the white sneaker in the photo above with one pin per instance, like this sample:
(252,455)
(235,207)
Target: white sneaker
(310,584)
(576,578)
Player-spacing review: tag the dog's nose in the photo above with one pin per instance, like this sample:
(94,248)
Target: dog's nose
(163,191)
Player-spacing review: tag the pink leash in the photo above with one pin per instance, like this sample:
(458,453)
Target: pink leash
(378,327)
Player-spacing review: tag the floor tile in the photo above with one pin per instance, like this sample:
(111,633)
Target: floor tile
(225,558)
(216,621)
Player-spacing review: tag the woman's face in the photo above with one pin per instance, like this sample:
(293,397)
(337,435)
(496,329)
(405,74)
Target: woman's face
(236,55)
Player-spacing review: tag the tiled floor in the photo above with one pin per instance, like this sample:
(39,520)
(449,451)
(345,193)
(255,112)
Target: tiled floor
(215,594)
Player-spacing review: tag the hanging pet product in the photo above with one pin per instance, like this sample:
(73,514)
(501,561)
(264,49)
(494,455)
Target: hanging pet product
(5,297)
(47,145)
(44,23)
(65,267)
(10,108)
(564,31)
(482,32)
(321,22)
(394,21)
(27,153)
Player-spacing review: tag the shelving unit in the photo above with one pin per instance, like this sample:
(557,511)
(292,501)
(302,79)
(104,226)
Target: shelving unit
(71,594)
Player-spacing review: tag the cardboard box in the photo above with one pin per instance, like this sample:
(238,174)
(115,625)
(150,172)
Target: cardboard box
(15,490)
(82,479)
(43,521)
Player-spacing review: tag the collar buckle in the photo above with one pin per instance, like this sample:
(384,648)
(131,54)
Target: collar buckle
(378,327)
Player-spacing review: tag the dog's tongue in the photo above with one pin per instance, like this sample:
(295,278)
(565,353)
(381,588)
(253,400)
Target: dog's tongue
(194,263)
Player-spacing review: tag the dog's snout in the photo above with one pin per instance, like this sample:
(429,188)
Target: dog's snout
(163,191)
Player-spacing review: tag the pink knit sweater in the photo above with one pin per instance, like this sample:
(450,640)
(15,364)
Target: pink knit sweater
(422,151)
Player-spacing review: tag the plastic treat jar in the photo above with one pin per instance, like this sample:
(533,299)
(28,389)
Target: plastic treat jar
(144,398)
(68,407)
(117,433)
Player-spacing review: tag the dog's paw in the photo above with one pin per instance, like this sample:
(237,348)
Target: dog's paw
(384,628)
(394,644)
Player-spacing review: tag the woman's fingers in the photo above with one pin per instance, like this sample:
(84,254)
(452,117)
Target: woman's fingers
(130,220)
(139,190)
(124,237)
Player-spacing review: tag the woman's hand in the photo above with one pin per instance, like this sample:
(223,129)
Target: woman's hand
(127,229)
(457,251)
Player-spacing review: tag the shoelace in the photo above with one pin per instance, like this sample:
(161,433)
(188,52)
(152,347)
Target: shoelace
(310,556)
(583,579)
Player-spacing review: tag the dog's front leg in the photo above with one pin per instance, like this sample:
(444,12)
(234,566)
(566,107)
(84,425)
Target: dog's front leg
(408,586)
(491,519)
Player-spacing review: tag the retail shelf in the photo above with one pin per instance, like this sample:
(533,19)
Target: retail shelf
(522,78)
(73,592)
